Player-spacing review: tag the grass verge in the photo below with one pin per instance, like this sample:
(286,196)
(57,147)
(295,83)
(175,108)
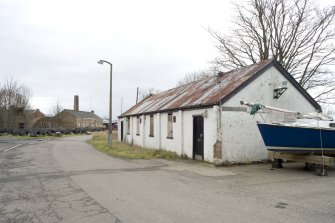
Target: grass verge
(100,143)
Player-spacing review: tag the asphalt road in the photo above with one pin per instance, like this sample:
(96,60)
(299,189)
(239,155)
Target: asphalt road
(67,181)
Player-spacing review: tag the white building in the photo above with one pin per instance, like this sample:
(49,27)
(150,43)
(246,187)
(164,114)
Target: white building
(188,120)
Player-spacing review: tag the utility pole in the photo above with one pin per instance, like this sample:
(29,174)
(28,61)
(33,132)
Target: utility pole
(110,130)
(137,95)
(121,104)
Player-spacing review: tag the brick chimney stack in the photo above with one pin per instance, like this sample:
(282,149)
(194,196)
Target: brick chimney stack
(76,103)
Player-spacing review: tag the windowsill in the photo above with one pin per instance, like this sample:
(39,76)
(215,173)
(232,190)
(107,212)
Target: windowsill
(151,135)
(169,137)
(138,134)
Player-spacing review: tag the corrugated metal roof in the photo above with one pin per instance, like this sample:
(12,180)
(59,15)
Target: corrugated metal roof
(199,93)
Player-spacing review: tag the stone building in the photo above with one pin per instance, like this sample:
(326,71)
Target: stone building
(31,117)
(21,118)
(71,119)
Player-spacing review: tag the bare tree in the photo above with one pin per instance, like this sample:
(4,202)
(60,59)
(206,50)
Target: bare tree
(197,75)
(56,113)
(143,93)
(56,109)
(296,33)
(14,99)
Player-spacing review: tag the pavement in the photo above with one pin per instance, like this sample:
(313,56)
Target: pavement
(66,180)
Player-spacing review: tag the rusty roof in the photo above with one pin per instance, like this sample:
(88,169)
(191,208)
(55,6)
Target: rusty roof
(205,92)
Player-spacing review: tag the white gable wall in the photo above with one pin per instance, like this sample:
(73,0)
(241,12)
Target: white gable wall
(261,90)
(242,141)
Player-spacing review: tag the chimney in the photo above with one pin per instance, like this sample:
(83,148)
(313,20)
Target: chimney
(76,103)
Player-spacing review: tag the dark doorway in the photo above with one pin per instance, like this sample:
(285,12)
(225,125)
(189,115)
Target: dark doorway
(121,131)
(21,125)
(198,137)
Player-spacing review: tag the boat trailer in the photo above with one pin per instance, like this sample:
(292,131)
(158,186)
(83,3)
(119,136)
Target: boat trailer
(318,162)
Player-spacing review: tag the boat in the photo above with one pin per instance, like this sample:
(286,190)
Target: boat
(312,133)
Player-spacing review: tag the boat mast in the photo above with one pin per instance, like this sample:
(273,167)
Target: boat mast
(279,110)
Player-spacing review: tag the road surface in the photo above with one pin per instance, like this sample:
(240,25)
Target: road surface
(66,180)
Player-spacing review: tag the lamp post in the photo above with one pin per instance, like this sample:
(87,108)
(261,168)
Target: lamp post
(110,103)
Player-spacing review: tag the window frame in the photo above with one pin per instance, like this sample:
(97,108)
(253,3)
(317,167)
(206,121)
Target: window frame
(151,125)
(138,125)
(128,125)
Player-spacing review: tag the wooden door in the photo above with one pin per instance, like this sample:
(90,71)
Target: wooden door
(198,137)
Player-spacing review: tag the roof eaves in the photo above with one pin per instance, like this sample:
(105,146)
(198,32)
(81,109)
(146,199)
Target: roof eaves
(171,110)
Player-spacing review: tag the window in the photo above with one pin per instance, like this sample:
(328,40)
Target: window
(128,125)
(151,126)
(138,122)
(170,126)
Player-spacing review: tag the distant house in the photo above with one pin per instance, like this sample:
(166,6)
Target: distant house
(188,119)
(71,119)
(45,122)
(27,118)
(31,117)
(114,124)
(16,118)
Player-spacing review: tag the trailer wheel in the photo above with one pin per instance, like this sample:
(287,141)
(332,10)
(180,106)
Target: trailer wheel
(277,163)
(321,170)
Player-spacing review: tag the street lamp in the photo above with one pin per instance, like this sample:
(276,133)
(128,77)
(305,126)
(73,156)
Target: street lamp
(110,103)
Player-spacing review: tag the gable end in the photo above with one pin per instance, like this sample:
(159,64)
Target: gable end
(282,71)
(244,84)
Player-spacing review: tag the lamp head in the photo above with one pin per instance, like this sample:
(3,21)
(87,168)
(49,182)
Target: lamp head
(100,62)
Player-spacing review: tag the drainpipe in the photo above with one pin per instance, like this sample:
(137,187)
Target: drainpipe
(217,148)
(220,109)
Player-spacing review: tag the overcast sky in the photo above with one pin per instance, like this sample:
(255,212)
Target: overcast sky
(53,47)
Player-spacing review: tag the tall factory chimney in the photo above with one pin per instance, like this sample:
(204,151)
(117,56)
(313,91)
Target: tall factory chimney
(76,103)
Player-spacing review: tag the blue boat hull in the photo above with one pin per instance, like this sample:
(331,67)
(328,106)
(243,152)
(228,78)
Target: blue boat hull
(301,140)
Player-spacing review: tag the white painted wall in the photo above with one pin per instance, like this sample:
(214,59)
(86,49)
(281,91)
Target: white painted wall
(209,132)
(127,136)
(241,140)
(151,142)
(137,139)
(182,141)
(166,143)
